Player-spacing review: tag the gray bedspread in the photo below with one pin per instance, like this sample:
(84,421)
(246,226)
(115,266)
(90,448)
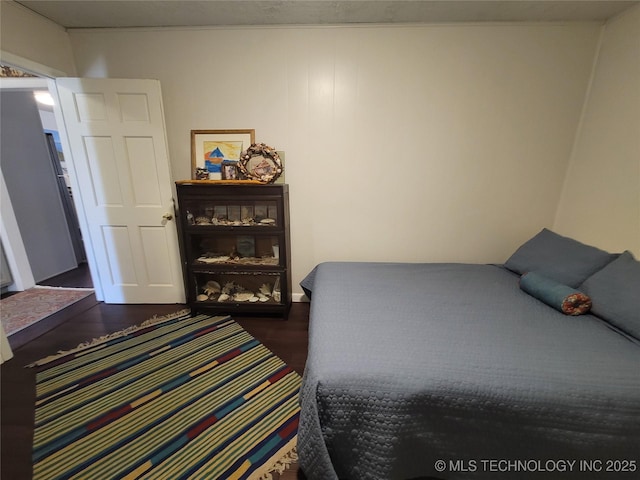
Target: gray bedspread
(413,363)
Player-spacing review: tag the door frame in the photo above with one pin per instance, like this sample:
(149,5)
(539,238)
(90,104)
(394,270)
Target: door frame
(12,242)
(13,239)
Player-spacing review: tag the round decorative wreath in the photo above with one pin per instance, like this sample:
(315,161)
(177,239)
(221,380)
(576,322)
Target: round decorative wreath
(261,162)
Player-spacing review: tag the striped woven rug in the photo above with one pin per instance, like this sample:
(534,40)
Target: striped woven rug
(188,397)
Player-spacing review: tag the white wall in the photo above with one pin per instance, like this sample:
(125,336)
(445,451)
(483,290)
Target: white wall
(600,201)
(413,143)
(33,42)
(456,136)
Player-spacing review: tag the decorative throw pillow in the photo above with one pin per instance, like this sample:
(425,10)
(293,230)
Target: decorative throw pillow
(559,258)
(615,291)
(561,297)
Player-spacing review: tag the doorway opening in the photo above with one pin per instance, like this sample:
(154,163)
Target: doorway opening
(74,272)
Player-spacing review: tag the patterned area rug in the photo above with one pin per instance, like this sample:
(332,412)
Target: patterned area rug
(26,308)
(179,397)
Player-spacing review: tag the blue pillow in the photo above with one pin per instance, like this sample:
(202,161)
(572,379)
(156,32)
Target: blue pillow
(559,258)
(615,293)
(561,297)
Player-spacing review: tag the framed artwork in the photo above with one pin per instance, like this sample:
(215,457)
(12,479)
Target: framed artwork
(230,170)
(262,163)
(210,148)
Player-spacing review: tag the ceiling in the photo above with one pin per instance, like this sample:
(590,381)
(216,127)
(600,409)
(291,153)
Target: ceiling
(174,13)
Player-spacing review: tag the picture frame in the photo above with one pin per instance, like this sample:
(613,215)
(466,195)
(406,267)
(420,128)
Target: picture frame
(210,148)
(230,170)
(262,163)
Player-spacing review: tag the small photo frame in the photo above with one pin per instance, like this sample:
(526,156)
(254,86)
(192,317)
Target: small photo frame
(230,170)
(210,149)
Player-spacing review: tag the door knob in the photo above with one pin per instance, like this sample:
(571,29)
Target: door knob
(167,216)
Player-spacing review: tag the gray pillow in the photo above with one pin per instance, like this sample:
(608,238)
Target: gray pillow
(559,258)
(615,293)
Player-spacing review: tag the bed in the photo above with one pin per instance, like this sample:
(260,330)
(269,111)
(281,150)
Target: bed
(453,371)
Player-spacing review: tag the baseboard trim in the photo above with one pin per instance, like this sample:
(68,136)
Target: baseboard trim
(299,297)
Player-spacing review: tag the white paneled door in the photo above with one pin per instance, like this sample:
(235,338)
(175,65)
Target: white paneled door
(116,134)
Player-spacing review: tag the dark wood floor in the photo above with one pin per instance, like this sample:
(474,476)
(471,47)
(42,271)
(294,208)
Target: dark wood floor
(287,339)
